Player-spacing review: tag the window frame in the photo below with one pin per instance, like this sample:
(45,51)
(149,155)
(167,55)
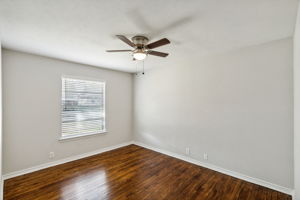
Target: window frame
(63,138)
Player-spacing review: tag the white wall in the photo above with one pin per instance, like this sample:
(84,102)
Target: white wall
(237,107)
(297,106)
(31,99)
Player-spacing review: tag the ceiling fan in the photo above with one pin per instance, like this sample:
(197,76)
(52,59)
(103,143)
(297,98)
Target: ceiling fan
(141,47)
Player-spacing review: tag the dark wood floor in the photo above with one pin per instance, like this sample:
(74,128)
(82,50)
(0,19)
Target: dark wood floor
(135,173)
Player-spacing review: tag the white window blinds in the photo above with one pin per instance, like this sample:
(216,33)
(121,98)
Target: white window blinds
(83,107)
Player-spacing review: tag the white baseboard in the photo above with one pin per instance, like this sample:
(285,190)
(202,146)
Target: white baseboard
(293,195)
(221,170)
(62,161)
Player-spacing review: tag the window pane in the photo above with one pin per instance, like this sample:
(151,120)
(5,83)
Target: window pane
(82,107)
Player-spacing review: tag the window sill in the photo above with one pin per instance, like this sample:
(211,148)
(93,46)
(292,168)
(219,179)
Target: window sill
(73,137)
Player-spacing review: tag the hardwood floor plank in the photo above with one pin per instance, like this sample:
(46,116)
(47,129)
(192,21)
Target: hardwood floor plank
(133,173)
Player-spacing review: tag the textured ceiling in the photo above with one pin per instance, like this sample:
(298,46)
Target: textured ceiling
(81,30)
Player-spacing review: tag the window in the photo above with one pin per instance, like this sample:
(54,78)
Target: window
(83,107)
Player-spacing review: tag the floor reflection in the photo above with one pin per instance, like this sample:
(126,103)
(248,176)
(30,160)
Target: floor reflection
(90,186)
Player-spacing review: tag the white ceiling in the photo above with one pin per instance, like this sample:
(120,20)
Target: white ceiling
(81,30)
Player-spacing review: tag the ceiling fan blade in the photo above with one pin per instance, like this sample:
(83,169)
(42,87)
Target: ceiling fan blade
(157,53)
(158,43)
(126,40)
(118,50)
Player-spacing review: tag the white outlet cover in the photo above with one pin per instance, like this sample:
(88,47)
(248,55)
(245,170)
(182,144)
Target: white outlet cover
(187,151)
(205,156)
(51,154)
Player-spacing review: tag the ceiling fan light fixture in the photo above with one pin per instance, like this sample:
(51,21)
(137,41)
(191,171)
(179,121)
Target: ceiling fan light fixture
(139,55)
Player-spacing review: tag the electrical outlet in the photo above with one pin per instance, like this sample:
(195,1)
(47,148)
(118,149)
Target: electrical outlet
(205,156)
(187,151)
(51,155)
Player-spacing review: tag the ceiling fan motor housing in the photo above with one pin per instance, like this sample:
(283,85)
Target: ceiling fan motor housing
(140,41)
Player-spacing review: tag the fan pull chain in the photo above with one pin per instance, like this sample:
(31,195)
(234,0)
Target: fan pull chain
(136,69)
(143,68)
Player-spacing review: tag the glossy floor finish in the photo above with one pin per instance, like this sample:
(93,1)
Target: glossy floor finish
(133,173)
